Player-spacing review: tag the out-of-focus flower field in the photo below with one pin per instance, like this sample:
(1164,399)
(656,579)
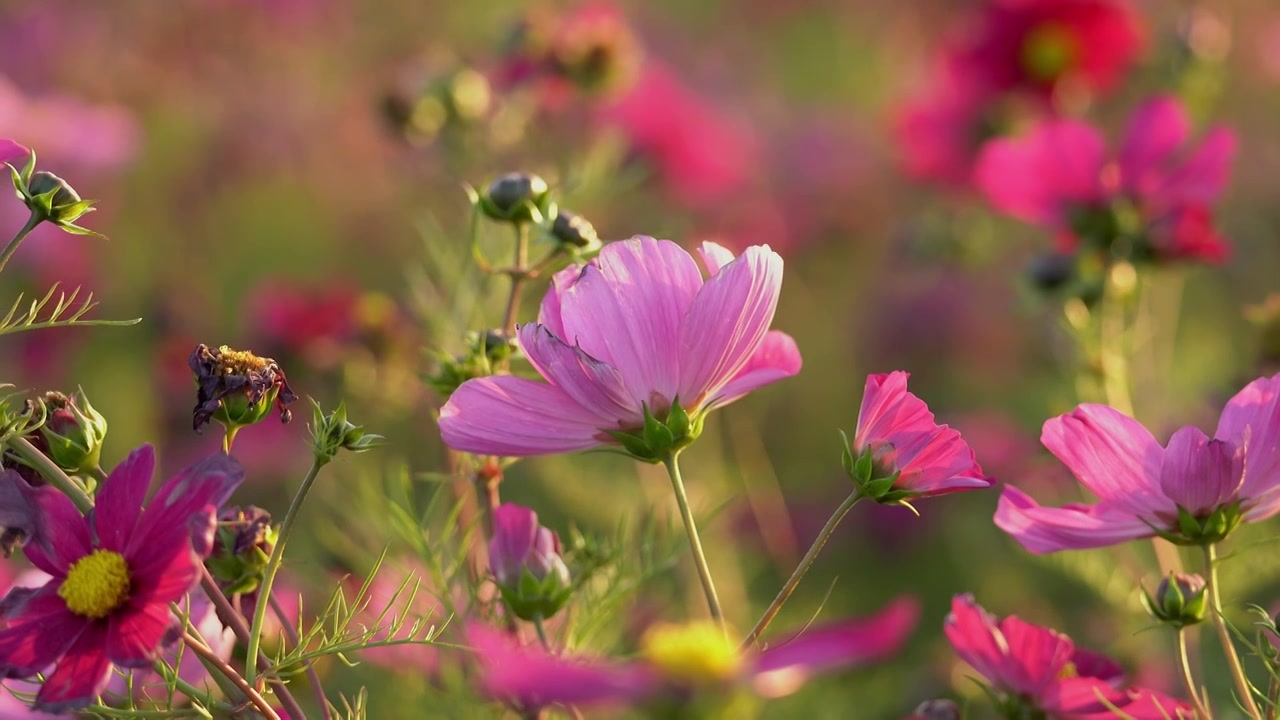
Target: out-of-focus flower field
(304,179)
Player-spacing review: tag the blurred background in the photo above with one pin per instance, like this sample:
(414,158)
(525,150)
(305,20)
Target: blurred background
(288,176)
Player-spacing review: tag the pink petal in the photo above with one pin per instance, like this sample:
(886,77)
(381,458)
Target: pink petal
(137,633)
(514,530)
(1096,665)
(1072,527)
(727,322)
(38,631)
(162,571)
(1111,454)
(1156,131)
(61,535)
(1039,176)
(1037,655)
(1251,419)
(777,358)
(549,314)
(1200,474)
(937,463)
(1203,176)
(592,384)
(13,153)
(714,256)
(119,500)
(81,674)
(1011,654)
(533,678)
(1082,698)
(783,667)
(516,417)
(167,518)
(626,310)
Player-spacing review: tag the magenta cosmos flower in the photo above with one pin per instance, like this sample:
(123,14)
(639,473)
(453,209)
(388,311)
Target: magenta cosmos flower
(114,574)
(1195,490)
(677,660)
(897,431)
(636,328)
(1156,191)
(1040,670)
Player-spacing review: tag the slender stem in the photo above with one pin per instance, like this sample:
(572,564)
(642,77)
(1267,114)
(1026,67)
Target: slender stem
(232,618)
(12,247)
(1187,678)
(1224,635)
(519,273)
(542,633)
(273,567)
(805,563)
(699,559)
(50,471)
(211,659)
(229,438)
(292,634)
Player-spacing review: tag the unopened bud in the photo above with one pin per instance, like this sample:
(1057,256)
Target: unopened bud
(242,547)
(518,198)
(573,230)
(525,560)
(331,433)
(1179,600)
(73,431)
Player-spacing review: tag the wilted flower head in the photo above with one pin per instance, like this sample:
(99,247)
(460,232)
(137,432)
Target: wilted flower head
(1195,490)
(899,453)
(524,558)
(114,574)
(682,661)
(1152,199)
(236,387)
(241,548)
(636,336)
(1036,669)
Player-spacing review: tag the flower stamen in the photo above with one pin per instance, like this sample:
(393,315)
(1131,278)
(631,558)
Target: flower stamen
(96,584)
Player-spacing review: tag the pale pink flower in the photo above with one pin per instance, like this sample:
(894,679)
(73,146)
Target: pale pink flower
(1143,488)
(636,327)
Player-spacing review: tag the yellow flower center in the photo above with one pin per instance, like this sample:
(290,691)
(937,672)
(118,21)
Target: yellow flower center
(695,652)
(240,362)
(1068,671)
(1048,51)
(96,584)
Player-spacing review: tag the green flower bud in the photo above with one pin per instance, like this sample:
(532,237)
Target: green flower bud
(241,548)
(331,433)
(51,198)
(518,198)
(73,431)
(573,231)
(1179,600)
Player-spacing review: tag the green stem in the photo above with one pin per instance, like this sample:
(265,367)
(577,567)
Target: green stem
(518,277)
(229,438)
(50,471)
(12,247)
(542,633)
(211,659)
(699,559)
(273,567)
(805,563)
(1187,678)
(1224,634)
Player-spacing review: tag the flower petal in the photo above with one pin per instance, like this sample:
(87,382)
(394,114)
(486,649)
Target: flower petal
(13,153)
(168,516)
(516,417)
(781,669)
(727,322)
(59,533)
(595,386)
(626,310)
(1251,419)
(1111,454)
(164,569)
(1037,177)
(1011,654)
(888,409)
(38,631)
(514,530)
(1072,527)
(1200,474)
(937,463)
(714,256)
(549,313)
(1203,176)
(119,501)
(81,674)
(1155,132)
(137,633)
(776,359)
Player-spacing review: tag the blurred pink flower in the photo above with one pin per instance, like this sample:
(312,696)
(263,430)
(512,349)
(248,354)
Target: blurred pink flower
(399,596)
(698,656)
(1042,670)
(1061,176)
(519,543)
(1211,484)
(898,430)
(636,327)
(702,155)
(114,574)
(938,132)
(311,322)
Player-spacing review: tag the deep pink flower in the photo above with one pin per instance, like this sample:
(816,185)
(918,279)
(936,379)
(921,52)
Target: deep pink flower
(114,574)
(675,661)
(938,133)
(637,326)
(1143,488)
(1040,669)
(519,543)
(1156,187)
(898,430)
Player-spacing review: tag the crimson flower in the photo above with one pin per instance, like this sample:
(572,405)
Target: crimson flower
(114,574)
(1038,670)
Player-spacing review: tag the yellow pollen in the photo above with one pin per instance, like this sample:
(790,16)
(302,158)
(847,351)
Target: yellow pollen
(96,584)
(1068,671)
(240,362)
(695,652)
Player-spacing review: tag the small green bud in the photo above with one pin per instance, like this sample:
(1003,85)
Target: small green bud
(1179,600)
(73,431)
(572,230)
(518,198)
(241,549)
(51,198)
(331,433)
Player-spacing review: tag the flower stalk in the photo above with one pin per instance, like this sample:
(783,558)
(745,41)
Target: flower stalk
(1243,689)
(672,464)
(50,471)
(13,245)
(1188,678)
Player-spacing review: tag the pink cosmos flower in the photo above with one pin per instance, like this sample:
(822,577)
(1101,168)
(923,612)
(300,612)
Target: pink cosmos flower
(519,543)
(636,327)
(1144,489)
(1039,669)
(898,430)
(1156,187)
(676,660)
(114,573)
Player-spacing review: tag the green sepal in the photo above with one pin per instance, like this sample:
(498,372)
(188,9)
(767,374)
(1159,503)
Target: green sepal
(1187,523)
(634,446)
(678,421)
(28,169)
(846,457)
(532,598)
(657,436)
